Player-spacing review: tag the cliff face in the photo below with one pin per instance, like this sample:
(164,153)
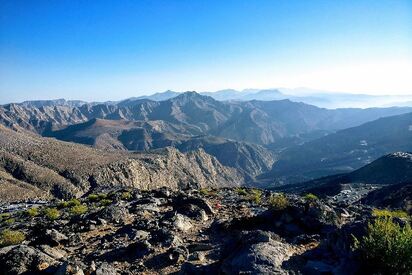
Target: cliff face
(168,168)
(60,169)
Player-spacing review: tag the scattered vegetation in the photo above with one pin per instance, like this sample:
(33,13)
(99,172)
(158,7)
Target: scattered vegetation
(241,192)
(387,246)
(96,197)
(4,216)
(32,212)
(11,237)
(310,197)
(10,221)
(255,195)
(390,213)
(78,209)
(207,192)
(93,197)
(126,196)
(70,203)
(278,201)
(52,213)
(106,202)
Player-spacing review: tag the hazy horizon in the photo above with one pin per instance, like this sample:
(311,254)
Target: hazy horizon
(316,97)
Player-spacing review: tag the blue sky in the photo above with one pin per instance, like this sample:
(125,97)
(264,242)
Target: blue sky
(108,50)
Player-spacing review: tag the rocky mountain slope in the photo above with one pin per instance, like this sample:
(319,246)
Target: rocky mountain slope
(398,196)
(343,151)
(48,167)
(225,231)
(250,159)
(389,174)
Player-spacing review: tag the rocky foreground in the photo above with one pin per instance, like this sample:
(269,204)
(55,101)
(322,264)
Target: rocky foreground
(227,231)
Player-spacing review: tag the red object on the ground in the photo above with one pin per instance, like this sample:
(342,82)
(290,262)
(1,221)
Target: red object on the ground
(218,205)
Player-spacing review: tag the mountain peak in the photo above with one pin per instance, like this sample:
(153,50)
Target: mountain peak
(402,155)
(192,95)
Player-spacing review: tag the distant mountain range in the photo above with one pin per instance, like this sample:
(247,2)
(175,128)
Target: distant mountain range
(269,142)
(319,98)
(261,122)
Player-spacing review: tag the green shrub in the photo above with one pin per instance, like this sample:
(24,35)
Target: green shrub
(310,197)
(102,196)
(278,201)
(10,221)
(4,216)
(126,196)
(390,213)
(255,195)
(52,213)
(11,237)
(387,247)
(32,212)
(241,191)
(70,203)
(106,202)
(78,209)
(96,197)
(93,197)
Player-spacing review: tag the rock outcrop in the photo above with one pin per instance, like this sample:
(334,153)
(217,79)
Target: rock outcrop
(216,231)
(50,168)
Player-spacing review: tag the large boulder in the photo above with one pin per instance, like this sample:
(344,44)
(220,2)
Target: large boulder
(259,258)
(115,213)
(182,223)
(54,237)
(23,259)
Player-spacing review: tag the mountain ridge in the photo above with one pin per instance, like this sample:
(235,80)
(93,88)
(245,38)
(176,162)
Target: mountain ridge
(344,150)
(62,169)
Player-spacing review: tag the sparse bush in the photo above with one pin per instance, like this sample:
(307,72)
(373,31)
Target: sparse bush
(93,197)
(78,209)
(70,203)
(390,213)
(11,237)
(32,212)
(255,195)
(102,196)
(126,196)
(4,216)
(207,192)
(204,191)
(310,197)
(278,201)
(10,221)
(96,197)
(241,191)
(52,213)
(106,202)
(387,247)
